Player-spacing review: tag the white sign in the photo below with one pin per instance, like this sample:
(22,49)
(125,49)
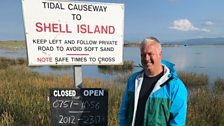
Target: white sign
(73,33)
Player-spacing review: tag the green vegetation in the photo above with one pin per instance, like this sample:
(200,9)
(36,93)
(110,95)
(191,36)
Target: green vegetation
(23,97)
(169,45)
(5,62)
(12,45)
(137,44)
(219,86)
(132,44)
(127,66)
(60,67)
(193,79)
(205,108)
(23,100)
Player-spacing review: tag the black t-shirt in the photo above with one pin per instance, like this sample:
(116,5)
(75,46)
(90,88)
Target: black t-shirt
(146,88)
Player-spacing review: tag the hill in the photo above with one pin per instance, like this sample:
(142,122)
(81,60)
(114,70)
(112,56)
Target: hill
(201,41)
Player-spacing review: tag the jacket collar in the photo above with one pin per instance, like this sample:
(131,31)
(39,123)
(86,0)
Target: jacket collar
(169,73)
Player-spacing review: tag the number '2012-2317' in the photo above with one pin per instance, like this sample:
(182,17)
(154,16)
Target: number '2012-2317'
(88,120)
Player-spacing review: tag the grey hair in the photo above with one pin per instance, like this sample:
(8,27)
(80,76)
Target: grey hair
(150,40)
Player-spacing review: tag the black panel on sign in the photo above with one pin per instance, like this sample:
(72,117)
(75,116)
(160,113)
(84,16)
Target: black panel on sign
(79,107)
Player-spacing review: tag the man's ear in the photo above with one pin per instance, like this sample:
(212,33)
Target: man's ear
(161,54)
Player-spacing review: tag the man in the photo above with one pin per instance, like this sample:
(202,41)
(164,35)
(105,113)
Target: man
(154,96)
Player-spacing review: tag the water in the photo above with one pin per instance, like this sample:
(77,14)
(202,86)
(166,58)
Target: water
(206,59)
(199,59)
(12,53)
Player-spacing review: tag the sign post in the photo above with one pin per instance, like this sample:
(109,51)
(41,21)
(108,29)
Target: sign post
(78,76)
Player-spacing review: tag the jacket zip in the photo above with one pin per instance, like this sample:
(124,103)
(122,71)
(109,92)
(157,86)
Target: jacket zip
(166,81)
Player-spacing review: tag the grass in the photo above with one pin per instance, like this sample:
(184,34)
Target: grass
(219,86)
(127,66)
(5,62)
(137,44)
(205,108)
(60,67)
(24,101)
(23,97)
(12,45)
(193,79)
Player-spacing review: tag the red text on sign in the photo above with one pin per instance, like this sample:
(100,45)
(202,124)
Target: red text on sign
(95,29)
(52,27)
(44,59)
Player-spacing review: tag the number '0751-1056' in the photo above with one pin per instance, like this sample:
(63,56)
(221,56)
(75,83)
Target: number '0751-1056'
(71,103)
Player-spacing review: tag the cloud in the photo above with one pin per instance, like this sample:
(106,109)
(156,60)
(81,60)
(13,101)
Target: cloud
(185,25)
(209,23)
(205,30)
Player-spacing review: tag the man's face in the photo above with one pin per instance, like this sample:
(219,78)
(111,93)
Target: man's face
(151,56)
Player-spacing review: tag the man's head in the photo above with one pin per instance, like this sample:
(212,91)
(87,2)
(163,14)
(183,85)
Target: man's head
(151,54)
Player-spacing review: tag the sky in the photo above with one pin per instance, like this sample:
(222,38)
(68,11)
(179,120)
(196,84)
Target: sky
(168,20)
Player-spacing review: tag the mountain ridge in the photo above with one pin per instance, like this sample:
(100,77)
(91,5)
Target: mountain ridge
(200,41)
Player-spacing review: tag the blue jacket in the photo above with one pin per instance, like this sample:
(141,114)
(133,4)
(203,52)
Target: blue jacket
(166,105)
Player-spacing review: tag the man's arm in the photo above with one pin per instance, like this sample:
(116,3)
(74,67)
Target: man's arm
(124,105)
(123,108)
(178,105)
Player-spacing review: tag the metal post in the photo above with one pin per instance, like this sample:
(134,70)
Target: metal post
(77,76)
